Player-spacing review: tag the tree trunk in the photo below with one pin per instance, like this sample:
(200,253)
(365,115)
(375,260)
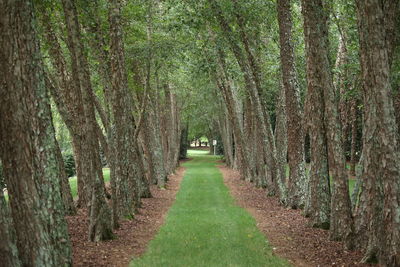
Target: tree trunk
(281,137)
(152,136)
(381,164)
(100,215)
(126,162)
(184,141)
(252,75)
(8,246)
(28,148)
(245,163)
(68,99)
(295,137)
(353,149)
(320,81)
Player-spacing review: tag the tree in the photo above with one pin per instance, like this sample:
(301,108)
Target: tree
(8,246)
(100,214)
(126,160)
(28,148)
(320,83)
(381,190)
(295,136)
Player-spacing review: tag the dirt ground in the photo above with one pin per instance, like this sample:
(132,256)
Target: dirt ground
(132,237)
(287,230)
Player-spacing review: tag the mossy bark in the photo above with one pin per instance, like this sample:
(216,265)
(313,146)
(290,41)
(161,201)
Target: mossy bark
(28,148)
(320,82)
(295,132)
(100,219)
(8,246)
(129,173)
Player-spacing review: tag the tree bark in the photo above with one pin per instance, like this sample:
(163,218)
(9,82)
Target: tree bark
(353,148)
(8,246)
(251,74)
(295,136)
(28,148)
(281,137)
(127,164)
(381,164)
(100,215)
(68,99)
(244,161)
(320,81)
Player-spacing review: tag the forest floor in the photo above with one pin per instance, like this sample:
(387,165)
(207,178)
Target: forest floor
(133,236)
(287,230)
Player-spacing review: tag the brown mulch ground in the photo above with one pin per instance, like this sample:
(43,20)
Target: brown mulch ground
(132,237)
(287,230)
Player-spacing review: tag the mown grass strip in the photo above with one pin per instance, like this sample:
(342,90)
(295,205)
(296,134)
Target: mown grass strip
(205,228)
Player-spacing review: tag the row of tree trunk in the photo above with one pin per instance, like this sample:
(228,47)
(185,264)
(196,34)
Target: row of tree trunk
(142,145)
(371,221)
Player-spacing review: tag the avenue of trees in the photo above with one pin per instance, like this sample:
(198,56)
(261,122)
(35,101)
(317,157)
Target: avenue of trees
(302,96)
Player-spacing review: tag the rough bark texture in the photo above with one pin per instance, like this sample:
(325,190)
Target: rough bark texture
(381,163)
(225,130)
(320,81)
(252,75)
(339,79)
(100,215)
(281,137)
(68,99)
(8,246)
(171,130)
(28,148)
(127,165)
(319,195)
(242,154)
(295,136)
(353,145)
(250,71)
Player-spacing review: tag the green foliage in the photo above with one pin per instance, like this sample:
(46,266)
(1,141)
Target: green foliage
(205,227)
(69,164)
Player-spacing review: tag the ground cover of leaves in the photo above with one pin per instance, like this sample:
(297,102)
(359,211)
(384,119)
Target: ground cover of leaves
(131,238)
(287,230)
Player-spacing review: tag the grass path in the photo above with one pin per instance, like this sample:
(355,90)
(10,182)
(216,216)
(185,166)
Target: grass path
(205,228)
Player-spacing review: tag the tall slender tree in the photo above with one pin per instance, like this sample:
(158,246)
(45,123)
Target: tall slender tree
(126,157)
(295,136)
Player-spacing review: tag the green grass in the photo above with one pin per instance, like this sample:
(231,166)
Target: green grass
(205,228)
(74,184)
